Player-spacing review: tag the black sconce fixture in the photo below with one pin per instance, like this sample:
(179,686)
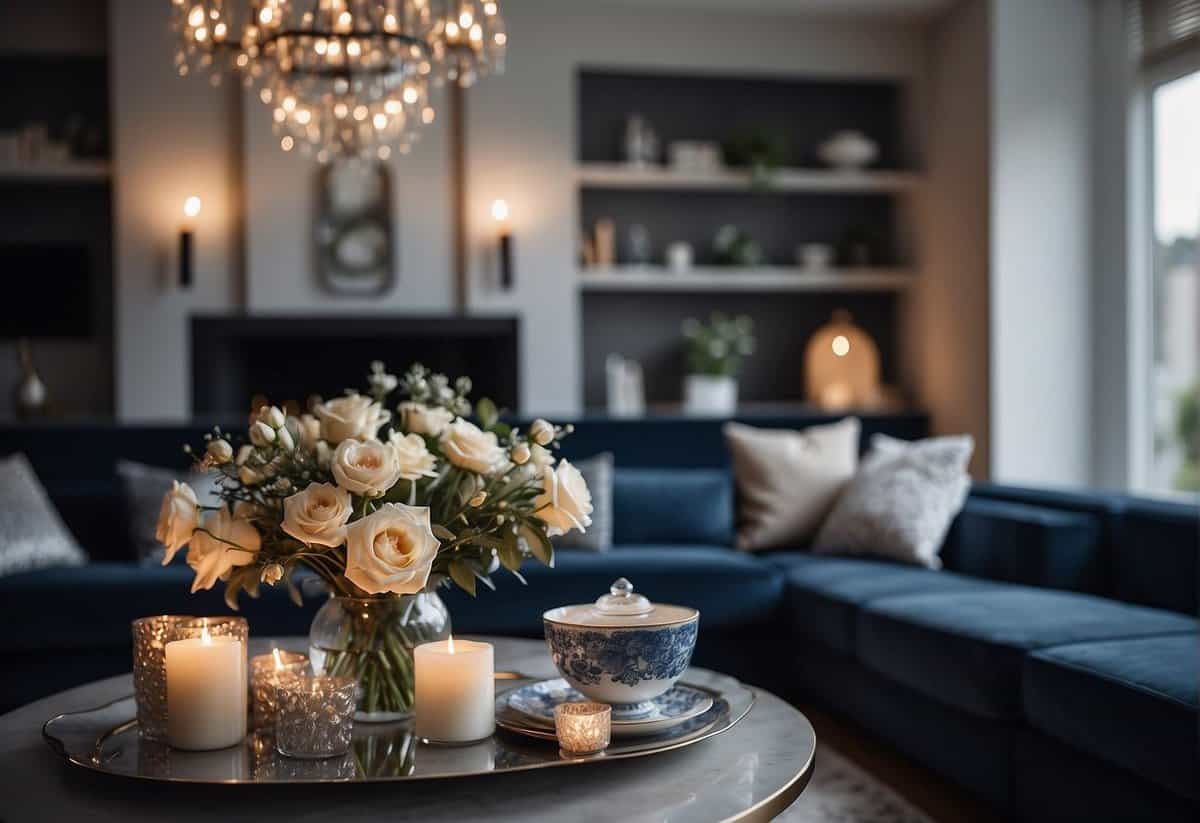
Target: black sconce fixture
(191,210)
(500,215)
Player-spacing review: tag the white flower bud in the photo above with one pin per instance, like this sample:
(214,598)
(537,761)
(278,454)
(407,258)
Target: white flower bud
(541,432)
(285,440)
(272,573)
(219,451)
(244,454)
(520,454)
(248,476)
(275,417)
(261,434)
(478,499)
(283,484)
(324,454)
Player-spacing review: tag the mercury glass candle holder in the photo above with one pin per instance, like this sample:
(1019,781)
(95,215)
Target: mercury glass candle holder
(222,626)
(265,673)
(314,715)
(583,728)
(150,638)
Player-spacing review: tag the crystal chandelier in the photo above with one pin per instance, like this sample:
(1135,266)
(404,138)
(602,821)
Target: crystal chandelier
(342,77)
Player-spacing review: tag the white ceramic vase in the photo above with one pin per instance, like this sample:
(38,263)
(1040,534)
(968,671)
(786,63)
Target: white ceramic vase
(709,395)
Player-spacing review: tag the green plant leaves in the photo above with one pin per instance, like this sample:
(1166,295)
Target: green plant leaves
(462,574)
(487,413)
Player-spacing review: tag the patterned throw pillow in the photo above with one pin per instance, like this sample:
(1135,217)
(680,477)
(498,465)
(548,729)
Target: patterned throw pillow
(144,487)
(597,472)
(32,535)
(902,500)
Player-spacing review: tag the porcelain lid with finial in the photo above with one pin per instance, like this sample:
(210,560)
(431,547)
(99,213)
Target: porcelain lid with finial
(621,608)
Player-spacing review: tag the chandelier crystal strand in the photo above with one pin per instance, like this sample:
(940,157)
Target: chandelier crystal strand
(342,77)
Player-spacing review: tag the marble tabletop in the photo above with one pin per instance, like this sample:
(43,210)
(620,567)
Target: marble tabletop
(751,772)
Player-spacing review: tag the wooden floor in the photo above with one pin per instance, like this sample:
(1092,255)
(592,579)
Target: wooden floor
(942,800)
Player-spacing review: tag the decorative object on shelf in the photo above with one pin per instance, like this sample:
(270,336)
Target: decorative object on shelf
(622,649)
(266,671)
(605,242)
(342,78)
(355,228)
(582,728)
(625,387)
(841,366)
(848,150)
(713,355)
(384,510)
(31,398)
(641,142)
(456,691)
(206,684)
(150,638)
(187,234)
(639,245)
(694,156)
(814,256)
(761,151)
(734,247)
(500,215)
(679,256)
(315,715)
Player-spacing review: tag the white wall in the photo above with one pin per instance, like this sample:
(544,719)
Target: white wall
(1040,302)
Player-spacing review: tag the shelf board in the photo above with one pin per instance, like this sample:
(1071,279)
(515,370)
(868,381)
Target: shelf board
(621,176)
(75,171)
(733,279)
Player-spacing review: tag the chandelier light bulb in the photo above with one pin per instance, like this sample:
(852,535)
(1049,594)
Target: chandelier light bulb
(191,206)
(196,16)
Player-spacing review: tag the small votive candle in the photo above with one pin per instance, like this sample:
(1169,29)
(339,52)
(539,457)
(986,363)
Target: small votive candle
(206,688)
(583,728)
(455,695)
(150,638)
(314,715)
(265,673)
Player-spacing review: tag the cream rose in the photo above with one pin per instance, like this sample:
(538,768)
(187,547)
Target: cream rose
(353,417)
(318,515)
(308,431)
(368,467)
(469,447)
(391,550)
(416,461)
(177,519)
(421,419)
(565,502)
(223,541)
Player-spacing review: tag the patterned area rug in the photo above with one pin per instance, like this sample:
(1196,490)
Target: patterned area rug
(841,792)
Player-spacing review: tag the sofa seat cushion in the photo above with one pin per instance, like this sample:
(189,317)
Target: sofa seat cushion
(1130,702)
(966,649)
(823,594)
(729,588)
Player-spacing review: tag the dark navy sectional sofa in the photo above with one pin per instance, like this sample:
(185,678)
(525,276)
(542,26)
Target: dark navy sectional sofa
(1051,667)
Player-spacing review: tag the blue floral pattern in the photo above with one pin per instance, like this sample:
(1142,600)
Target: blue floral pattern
(627,656)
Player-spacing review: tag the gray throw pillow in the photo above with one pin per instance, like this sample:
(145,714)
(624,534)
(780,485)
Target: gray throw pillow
(901,501)
(597,472)
(144,487)
(32,534)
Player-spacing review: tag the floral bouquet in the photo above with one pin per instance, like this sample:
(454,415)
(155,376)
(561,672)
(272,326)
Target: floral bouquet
(384,509)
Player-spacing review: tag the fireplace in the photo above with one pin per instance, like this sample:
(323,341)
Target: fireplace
(286,359)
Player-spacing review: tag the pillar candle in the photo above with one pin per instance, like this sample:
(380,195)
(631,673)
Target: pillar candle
(455,691)
(206,692)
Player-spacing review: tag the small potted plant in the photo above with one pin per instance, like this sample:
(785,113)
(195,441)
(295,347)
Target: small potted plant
(713,354)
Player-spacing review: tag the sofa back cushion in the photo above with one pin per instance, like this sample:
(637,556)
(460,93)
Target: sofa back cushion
(1155,553)
(672,506)
(1029,544)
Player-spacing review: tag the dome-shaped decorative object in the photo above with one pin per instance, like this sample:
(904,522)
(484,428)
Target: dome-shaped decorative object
(841,366)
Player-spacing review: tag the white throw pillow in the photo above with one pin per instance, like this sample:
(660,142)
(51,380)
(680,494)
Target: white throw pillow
(787,480)
(32,535)
(902,500)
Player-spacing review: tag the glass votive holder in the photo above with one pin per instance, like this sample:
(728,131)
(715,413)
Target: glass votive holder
(265,673)
(150,638)
(314,715)
(582,728)
(221,626)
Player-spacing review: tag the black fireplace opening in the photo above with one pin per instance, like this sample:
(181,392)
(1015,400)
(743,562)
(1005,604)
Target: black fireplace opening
(287,359)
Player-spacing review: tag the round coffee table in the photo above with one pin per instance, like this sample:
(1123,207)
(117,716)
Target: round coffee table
(751,772)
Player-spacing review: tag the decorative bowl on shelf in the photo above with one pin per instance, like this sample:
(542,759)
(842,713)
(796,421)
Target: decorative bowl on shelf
(622,649)
(848,150)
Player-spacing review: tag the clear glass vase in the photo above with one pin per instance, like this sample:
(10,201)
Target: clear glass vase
(372,640)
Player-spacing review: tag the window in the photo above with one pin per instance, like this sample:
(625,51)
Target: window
(1174,373)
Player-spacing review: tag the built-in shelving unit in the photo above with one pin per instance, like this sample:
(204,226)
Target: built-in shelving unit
(623,176)
(75,171)
(731,279)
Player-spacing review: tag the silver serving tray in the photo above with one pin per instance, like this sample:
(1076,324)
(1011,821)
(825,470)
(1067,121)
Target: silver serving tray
(106,739)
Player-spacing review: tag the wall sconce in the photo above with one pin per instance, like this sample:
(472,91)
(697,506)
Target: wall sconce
(500,215)
(191,210)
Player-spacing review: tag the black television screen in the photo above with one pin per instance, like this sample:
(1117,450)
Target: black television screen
(47,291)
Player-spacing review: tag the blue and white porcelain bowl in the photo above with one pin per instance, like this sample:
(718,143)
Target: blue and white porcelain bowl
(622,649)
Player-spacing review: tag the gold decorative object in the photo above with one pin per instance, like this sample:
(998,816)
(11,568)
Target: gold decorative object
(266,670)
(150,638)
(583,728)
(841,366)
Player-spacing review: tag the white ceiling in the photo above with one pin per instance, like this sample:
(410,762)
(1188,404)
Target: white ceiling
(891,9)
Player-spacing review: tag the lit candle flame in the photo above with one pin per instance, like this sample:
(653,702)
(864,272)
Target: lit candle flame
(450,644)
(278,661)
(205,637)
